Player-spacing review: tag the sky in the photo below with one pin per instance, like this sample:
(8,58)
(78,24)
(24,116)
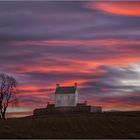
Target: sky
(96,44)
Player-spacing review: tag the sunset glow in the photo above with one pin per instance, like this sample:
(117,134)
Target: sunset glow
(96,44)
(121,8)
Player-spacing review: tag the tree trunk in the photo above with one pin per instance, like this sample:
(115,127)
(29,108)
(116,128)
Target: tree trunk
(3,115)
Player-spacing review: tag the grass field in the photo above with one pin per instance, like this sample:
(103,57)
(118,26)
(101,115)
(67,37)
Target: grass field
(105,125)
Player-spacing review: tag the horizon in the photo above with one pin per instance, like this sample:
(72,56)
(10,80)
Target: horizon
(95,44)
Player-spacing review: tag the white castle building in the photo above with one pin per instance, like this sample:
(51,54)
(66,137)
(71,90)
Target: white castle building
(66,101)
(66,96)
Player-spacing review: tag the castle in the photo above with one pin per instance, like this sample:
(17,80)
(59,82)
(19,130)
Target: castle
(66,101)
(66,96)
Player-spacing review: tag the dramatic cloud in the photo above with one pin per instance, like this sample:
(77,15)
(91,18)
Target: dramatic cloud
(116,81)
(96,44)
(114,85)
(121,8)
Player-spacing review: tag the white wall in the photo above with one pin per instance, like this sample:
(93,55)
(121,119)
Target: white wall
(76,97)
(65,100)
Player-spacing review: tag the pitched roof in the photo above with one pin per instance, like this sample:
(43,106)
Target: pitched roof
(65,90)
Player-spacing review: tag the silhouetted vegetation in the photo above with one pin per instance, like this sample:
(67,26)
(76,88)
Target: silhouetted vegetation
(8,89)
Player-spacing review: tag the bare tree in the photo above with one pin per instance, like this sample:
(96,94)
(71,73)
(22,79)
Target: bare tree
(8,89)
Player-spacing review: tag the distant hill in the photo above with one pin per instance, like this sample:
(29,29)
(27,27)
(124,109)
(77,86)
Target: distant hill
(105,125)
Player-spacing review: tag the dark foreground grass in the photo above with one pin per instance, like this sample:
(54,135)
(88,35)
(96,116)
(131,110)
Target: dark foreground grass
(105,125)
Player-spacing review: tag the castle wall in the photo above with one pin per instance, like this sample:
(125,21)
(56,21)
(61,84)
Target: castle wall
(72,109)
(62,100)
(95,109)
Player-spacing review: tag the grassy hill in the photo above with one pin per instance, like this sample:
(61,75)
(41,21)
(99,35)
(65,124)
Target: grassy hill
(105,125)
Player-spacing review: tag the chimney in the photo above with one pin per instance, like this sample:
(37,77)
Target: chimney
(75,84)
(85,102)
(48,104)
(57,85)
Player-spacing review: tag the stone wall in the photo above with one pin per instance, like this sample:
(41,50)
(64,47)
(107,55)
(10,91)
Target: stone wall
(77,109)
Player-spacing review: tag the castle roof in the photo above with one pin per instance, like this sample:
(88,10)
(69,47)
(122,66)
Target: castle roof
(65,90)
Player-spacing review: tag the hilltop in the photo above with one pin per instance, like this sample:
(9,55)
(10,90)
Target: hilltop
(105,125)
